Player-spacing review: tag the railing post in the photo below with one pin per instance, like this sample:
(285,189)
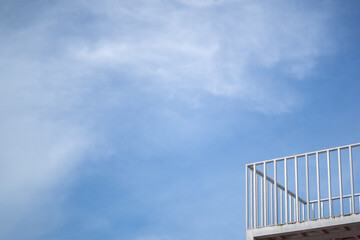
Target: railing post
(252,199)
(265,197)
(294,199)
(290,208)
(275,195)
(352,181)
(296,216)
(307,187)
(318,184)
(303,212)
(286,191)
(271,205)
(246,197)
(255,198)
(281,206)
(340,183)
(322,209)
(261,202)
(329,184)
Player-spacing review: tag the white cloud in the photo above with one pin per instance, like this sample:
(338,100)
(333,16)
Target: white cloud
(204,3)
(36,157)
(42,138)
(155,238)
(182,50)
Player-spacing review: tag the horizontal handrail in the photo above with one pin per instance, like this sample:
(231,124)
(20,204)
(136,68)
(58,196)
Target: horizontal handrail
(304,154)
(334,198)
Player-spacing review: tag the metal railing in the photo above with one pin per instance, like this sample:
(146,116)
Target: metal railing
(270,200)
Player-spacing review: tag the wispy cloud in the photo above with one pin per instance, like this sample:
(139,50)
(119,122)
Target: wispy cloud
(205,3)
(63,68)
(154,238)
(238,55)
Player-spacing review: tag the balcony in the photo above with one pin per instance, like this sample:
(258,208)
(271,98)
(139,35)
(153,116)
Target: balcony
(310,196)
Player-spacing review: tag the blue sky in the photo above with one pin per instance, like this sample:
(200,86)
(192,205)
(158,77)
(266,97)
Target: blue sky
(133,120)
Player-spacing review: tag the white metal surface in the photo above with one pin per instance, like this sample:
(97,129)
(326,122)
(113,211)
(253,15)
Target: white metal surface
(303,230)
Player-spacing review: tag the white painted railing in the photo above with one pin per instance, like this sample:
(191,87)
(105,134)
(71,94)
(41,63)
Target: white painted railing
(289,190)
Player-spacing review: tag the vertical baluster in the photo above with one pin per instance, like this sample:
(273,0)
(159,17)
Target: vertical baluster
(275,195)
(329,183)
(294,209)
(265,196)
(303,212)
(255,197)
(296,203)
(322,209)
(307,186)
(318,184)
(286,191)
(247,204)
(352,181)
(290,209)
(261,202)
(340,183)
(251,199)
(271,205)
(281,206)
